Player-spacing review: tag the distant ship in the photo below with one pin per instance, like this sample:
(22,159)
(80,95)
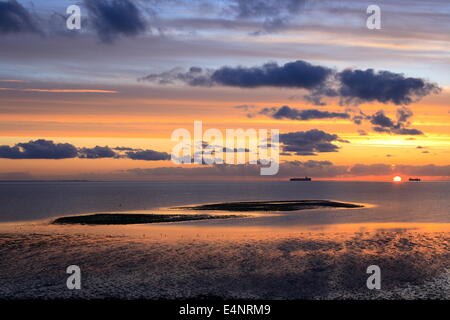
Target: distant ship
(301,179)
(415,179)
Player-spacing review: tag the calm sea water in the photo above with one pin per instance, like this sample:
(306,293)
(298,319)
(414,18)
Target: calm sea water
(403,202)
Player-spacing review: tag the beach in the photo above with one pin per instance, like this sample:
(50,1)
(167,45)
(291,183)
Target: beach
(167,262)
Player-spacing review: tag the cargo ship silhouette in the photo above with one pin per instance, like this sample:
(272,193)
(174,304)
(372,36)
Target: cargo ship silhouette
(301,179)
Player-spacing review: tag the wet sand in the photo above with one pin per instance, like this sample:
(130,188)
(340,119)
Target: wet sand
(188,260)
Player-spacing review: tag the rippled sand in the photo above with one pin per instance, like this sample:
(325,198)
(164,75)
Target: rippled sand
(188,261)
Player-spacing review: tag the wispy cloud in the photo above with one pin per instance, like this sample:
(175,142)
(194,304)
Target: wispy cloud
(12,81)
(59,90)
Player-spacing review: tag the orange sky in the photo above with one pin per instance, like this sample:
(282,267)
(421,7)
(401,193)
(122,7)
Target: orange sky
(85,91)
(150,122)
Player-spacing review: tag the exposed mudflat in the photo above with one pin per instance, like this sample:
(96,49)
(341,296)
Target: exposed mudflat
(292,205)
(154,265)
(253,206)
(130,218)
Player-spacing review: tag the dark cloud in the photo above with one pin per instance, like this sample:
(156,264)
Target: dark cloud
(309,143)
(209,152)
(97,152)
(380,119)
(384,124)
(114,18)
(39,149)
(407,131)
(381,130)
(149,155)
(210,148)
(358,119)
(349,86)
(14,18)
(297,74)
(286,112)
(326,89)
(404,114)
(123,149)
(46,149)
(358,86)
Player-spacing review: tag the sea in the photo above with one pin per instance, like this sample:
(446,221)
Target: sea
(385,202)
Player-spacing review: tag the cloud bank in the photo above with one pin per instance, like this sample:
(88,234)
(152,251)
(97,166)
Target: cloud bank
(312,168)
(350,86)
(288,169)
(297,74)
(47,149)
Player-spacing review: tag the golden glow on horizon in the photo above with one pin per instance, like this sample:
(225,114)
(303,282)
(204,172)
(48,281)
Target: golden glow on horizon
(147,122)
(397,179)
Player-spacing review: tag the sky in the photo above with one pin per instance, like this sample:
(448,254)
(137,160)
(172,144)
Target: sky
(101,103)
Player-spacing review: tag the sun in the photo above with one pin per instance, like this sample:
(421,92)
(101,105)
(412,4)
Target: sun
(397,179)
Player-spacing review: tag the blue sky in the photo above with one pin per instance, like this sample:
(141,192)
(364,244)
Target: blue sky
(180,33)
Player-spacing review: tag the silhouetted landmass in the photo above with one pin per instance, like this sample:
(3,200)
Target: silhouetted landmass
(46,181)
(117,218)
(273,205)
(125,218)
